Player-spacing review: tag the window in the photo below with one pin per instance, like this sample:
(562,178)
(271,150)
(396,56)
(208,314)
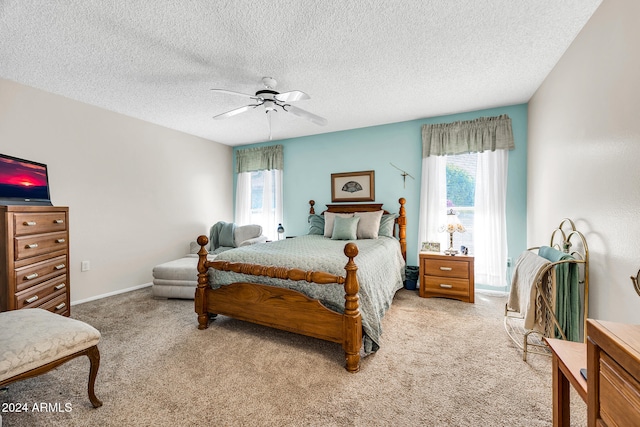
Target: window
(259,188)
(461,186)
(259,200)
(479,197)
(263,200)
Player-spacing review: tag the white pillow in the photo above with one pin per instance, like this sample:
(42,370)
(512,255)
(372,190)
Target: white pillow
(328,221)
(369,224)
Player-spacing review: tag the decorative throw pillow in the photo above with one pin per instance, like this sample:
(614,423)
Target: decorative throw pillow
(328,221)
(345,228)
(387,223)
(316,224)
(369,224)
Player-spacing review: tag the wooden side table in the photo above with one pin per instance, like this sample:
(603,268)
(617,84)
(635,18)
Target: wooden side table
(568,358)
(447,276)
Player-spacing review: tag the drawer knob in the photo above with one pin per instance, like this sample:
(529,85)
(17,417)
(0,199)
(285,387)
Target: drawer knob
(32,299)
(31,246)
(59,221)
(31,276)
(59,266)
(29,223)
(444,285)
(60,306)
(60,286)
(446,268)
(59,240)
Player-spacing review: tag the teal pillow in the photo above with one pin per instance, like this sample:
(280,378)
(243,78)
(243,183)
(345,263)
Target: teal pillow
(316,224)
(345,228)
(387,224)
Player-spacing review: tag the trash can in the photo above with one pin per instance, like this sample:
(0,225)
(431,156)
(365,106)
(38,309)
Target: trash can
(411,273)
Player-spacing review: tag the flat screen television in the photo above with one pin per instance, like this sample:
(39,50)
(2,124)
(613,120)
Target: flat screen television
(23,182)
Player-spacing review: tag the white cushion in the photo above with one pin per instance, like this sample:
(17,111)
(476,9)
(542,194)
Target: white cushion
(33,337)
(369,224)
(180,269)
(246,232)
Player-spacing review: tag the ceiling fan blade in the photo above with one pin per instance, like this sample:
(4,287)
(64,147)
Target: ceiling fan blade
(292,96)
(246,95)
(236,111)
(305,114)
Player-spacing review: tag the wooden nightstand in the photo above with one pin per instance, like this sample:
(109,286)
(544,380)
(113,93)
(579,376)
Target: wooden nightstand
(446,276)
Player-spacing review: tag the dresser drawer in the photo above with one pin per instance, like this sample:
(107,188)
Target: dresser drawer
(39,272)
(57,305)
(38,223)
(445,285)
(444,268)
(37,295)
(30,246)
(619,394)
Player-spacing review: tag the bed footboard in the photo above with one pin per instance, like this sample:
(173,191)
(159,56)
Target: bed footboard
(283,308)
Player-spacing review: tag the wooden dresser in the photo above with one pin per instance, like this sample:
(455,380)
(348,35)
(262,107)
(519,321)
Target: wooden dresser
(613,374)
(447,276)
(34,255)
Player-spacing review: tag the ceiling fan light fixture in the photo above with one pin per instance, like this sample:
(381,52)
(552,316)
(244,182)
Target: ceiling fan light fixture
(269,106)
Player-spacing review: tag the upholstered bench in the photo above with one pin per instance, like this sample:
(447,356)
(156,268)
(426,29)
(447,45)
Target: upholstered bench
(176,279)
(34,341)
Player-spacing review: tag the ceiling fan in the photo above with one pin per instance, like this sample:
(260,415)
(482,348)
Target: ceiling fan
(273,102)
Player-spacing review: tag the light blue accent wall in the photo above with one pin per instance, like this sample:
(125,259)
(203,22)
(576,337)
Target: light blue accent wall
(309,162)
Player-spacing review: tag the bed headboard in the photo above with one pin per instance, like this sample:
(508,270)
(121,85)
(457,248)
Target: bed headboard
(401,220)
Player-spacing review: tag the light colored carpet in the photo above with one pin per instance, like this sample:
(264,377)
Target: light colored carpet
(442,363)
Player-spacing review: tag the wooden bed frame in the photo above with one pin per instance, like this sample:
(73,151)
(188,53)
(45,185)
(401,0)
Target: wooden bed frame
(287,309)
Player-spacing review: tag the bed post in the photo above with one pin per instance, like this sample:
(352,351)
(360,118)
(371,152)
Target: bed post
(200,300)
(312,211)
(402,227)
(352,317)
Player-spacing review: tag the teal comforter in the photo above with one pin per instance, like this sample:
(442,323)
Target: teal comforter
(380,273)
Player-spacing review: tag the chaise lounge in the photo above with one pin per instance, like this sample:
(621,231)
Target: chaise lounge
(179,278)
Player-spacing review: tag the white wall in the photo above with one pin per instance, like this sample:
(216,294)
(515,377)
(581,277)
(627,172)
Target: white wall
(137,192)
(584,151)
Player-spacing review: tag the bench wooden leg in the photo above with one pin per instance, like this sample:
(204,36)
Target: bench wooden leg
(94,360)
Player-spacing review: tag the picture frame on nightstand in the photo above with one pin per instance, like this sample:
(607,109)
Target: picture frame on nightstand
(431,246)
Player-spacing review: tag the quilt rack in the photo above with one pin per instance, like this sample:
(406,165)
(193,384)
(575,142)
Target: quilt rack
(567,239)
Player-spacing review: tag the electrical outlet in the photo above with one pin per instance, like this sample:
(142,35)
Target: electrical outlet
(509,262)
(85,266)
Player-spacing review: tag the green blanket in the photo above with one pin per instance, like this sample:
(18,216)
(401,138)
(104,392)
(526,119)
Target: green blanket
(567,293)
(222,234)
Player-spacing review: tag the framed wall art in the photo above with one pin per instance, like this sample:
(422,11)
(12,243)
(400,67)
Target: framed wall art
(353,187)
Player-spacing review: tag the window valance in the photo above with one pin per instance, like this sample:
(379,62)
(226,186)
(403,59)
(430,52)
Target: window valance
(259,158)
(471,136)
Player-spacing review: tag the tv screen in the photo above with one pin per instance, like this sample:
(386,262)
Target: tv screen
(23,182)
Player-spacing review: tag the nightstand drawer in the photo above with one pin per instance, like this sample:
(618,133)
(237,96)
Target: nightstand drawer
(445,285)
(447,269)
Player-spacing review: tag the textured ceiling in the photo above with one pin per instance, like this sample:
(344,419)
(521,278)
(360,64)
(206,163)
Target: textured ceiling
(363,62)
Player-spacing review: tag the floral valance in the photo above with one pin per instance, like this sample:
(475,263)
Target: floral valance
(471,136)
(259,158)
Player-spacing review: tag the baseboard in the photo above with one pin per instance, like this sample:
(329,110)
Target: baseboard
(110,294)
